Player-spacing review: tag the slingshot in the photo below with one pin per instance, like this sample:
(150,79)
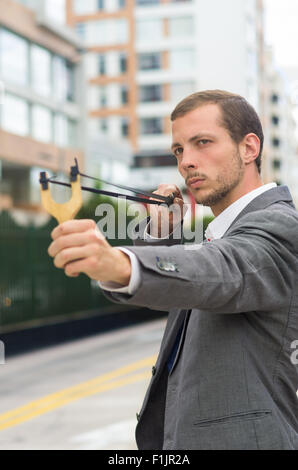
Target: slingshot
(69,209)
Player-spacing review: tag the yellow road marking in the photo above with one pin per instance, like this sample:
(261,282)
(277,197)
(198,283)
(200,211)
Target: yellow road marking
(97,385)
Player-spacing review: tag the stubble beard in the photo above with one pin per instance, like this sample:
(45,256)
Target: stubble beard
(225,183)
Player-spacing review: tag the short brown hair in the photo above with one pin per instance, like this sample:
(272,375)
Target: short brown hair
(238,117)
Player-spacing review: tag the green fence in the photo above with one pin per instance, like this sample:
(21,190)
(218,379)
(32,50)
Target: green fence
(31,288)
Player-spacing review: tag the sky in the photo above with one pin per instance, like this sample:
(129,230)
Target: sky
(281,30)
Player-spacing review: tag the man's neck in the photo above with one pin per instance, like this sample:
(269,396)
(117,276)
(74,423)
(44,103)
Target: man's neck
(234,195)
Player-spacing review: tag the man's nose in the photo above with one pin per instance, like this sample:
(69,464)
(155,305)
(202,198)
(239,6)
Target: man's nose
(189,160)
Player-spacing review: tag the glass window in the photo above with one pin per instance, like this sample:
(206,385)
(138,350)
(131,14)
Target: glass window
(124,94)
(150,93)
(103,98)
(106,32)
(41,70)
(100,4)
(60,75)
(182,60)
(121,31)
(103,125)
(13,57)
(149,61)
(276,164)
(72,133)
(101,64)
(41,123)
(84,7)
(81,30)
(147,2)
(151,126)
(123,62)
(276,142)
(124,126)
(121,4)
(56,10)
(60,130)
(275,120)
(181,27)
(15,115)
(148,29)
(70,69)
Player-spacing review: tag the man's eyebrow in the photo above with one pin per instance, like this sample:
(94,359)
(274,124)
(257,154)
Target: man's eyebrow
(176,144)
(201,135)
(194,138)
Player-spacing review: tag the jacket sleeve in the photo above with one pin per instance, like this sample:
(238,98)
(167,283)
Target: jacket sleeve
(251,268)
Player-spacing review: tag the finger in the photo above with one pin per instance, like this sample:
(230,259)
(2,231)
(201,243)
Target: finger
(76,267)
(73,226)
(75,253)
(66,241)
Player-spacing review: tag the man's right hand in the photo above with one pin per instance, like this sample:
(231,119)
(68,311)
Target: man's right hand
(164,219)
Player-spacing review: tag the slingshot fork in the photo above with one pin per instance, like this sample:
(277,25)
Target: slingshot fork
(67,210)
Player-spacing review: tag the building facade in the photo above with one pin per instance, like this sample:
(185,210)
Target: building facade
(41,125)
(280,154)
(143,56)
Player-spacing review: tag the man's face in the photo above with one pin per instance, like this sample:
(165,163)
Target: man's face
(208,159)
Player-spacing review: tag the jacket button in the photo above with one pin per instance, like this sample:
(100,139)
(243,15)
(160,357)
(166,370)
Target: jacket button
(153,370)
(138,416)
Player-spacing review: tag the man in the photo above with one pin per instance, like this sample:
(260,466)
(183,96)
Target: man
(225,377)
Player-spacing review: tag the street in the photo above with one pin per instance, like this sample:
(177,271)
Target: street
(81,395)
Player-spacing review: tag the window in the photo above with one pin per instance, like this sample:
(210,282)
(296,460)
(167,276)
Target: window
(276,164)
(41,70)
(102,64)
(151,126)
(107,32)
(55,10)
(150,93)
(85,7)
(81,30)
(124,126)
(103,125)
(148,29)
(276,142)
(181,27)
(13,57)
(123,62)
(147,2)
(60,130)
(182,60)
(72,131)
(150,61)
(124,94)
(41,123)
(102,94)
(15,115)
(60,78)
(121,4)
(100,4)
(275,120)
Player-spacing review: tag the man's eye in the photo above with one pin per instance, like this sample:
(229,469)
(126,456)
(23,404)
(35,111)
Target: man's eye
(178,151)
(203,141)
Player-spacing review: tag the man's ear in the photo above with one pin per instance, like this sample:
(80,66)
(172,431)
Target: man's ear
(250,148)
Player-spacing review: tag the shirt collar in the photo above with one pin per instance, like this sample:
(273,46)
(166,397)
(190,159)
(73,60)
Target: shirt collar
(222,222)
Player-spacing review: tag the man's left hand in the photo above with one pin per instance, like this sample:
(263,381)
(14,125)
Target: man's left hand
(79,247)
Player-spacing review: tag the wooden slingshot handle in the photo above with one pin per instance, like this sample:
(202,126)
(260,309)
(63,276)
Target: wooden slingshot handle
(68,210)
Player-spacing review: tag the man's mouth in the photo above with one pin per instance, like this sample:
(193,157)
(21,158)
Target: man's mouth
(195,182)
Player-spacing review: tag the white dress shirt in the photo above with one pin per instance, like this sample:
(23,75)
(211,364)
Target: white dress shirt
(216,229)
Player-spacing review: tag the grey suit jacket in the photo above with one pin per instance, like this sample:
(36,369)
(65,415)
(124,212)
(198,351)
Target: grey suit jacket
(234,380)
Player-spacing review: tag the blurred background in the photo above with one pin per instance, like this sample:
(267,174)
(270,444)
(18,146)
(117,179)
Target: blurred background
(97,80)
